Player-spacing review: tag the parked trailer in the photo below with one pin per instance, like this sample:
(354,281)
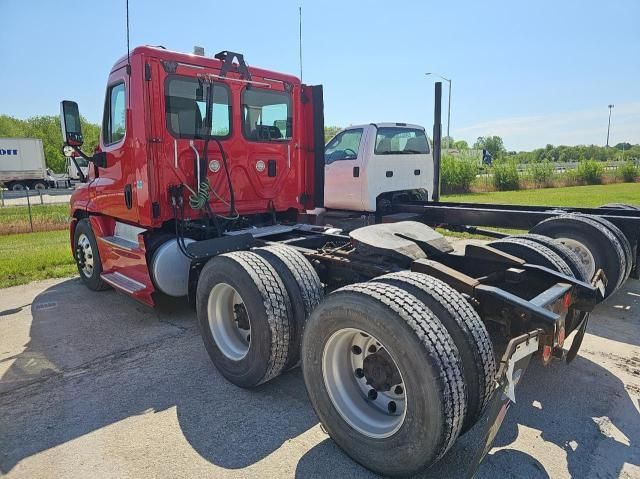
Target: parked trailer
(206,169)
(22,164)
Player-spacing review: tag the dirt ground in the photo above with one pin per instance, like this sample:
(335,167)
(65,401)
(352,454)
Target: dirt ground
(96,385)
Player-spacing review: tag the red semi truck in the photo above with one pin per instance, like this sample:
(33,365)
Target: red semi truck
(209,183)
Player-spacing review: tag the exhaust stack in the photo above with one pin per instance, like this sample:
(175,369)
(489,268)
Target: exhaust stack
(437,140)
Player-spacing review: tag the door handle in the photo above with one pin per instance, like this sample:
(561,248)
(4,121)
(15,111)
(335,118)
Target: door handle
(128,196)
(356,171)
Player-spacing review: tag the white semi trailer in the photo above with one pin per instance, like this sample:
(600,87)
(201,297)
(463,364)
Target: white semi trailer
(22,164)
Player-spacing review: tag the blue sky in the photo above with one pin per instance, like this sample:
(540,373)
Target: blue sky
(533,72)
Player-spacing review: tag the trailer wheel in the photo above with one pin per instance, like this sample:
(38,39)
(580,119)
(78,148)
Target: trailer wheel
(624,242)
(245,317)
(39,185)
(568,256)
(532,253)
(384,377)
(465,327)
(620,206)
(595,244)
(87,256)
(303,286)
(17,187)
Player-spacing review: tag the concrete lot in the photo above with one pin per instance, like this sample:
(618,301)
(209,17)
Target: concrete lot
(96,385)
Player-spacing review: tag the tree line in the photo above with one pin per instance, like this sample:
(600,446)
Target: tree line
(47,128)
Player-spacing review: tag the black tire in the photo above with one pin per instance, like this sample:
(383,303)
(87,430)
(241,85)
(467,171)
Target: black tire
(532,253)
(269,313)
(303,286)
(624,242)
(620,206)
(92,280)
(465,327)
(606,250)
(573,261)
(428,362)
(39,185)
(17,187)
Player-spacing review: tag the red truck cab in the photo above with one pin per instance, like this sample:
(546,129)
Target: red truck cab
(256,149)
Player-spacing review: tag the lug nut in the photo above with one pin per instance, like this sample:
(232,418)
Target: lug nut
(372,349)
(373,394)
(391,407)
(356,349)
(359,373)
(398,390)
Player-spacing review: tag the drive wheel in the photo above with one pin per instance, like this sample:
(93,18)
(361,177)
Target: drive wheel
(39,185)
(245,317)
(303,287)
(568,256)
(624,242)
(384,377)
(17,187)
(465,327)
(532,253)
(594,243)
(85,252)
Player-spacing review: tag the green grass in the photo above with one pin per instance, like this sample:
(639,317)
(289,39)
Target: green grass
(579,196)
(32,256)
(15,219)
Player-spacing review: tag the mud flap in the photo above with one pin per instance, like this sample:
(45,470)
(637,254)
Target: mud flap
(512,367)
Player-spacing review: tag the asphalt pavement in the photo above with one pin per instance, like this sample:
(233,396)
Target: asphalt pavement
(97,385)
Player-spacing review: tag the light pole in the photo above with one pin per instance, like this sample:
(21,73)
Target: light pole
(448,108)
(609,127)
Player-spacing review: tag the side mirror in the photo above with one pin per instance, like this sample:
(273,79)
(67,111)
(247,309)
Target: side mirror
(70,123)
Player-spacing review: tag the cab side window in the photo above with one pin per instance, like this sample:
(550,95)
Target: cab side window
(344,146)
(114,121)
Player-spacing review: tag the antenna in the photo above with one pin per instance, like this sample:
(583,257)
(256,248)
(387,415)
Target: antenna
(299,38)
(128,54)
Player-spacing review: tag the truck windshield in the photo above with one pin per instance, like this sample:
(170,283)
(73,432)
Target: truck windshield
(185,107)
(401,141)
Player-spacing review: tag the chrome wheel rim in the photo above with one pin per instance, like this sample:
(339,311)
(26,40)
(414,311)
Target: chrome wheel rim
(364,383)
(229,321)
(586,257)
(84,254)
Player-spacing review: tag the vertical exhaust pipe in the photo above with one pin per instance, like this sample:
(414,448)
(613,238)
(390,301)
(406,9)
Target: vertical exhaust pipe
(437,140)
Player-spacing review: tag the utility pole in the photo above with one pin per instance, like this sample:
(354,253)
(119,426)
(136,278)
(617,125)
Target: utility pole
(300,38)
(609,127)
(448,108)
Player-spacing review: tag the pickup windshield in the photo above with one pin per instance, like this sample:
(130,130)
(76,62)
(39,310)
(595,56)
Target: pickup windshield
(401,141)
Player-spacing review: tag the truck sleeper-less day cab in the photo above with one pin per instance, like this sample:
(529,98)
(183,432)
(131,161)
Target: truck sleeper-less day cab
(209,183)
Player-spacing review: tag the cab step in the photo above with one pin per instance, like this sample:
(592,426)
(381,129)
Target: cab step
(122,282)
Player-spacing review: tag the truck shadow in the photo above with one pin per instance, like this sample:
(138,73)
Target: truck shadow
(96,359)
(618,315)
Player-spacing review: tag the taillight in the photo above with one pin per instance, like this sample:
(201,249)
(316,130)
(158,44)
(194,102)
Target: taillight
(561,334)
(566,301)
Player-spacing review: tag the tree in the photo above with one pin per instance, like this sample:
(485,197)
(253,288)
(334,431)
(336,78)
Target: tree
(330,132)
(493,144)
(623,146)
(461,145)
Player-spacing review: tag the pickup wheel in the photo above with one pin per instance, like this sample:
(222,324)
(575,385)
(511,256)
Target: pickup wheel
(245,317)
(384,377)
(465,327)
(303,287)
(595,244)
(85,252)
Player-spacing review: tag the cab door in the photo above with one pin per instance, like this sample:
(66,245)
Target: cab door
(114,190)
(344,173)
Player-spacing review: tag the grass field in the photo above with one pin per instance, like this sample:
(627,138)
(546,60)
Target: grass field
(579,196)
(15,219)
(32,256)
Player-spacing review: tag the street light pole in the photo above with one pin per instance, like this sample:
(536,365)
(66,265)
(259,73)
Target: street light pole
(448,107)
(609,127)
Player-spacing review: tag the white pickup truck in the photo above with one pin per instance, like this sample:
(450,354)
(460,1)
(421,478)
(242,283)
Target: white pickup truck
(366,166)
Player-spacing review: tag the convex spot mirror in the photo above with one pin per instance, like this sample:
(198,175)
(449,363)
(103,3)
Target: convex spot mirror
(70,123)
